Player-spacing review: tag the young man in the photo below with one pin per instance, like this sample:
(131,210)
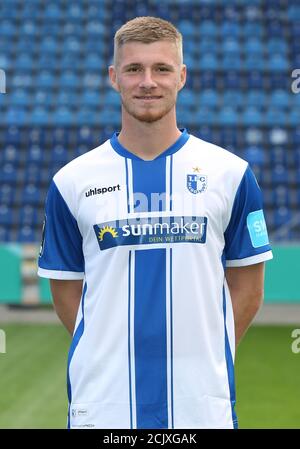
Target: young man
(155,245)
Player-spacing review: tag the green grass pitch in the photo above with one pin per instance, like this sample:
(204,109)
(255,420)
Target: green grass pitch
(33,378)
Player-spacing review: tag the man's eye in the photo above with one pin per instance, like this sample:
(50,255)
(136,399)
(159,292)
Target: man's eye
(163,69)
(132,69)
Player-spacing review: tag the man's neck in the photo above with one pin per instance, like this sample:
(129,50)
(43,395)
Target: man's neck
(148,140)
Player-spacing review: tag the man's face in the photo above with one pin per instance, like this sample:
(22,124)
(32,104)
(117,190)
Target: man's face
(148,78)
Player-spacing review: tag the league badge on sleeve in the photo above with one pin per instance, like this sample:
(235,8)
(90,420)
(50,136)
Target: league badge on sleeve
(196,183)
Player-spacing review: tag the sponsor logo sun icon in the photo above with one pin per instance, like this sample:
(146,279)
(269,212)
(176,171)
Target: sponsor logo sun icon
(105,230)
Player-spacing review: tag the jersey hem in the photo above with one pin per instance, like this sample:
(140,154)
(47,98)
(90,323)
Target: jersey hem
(64,275)
(268,255)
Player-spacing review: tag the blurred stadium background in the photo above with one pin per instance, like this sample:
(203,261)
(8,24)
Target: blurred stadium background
(58,104)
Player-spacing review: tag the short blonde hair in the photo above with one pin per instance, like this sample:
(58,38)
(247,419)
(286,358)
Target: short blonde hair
(147,30)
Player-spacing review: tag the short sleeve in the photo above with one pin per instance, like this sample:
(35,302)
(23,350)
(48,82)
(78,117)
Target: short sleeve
(61,255)
(246,236)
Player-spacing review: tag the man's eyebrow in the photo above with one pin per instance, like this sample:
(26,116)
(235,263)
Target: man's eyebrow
(138,64)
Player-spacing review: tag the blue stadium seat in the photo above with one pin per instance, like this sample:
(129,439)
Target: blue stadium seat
(59,154)
(46,60)
(281,196)
(35,154)
(232,80)
(230,29)
(27,215)
(69,80)
(92,81)
(294,116)
(67,98)
(252,116)
(93,61)
(33,173)
(7,194)
(8,28)
(275,45)
(279,174)
(24,61)
(208,28)
(187,98)
(6,215)
(253,45)
(278,62)
(31,195)
(207,61)
(26,234)
(16,116)
(231,96)
(254,80)
(63,115)
(278,155)
(207,44)
(252,28)
(230,62)
(109,116)
(282,216)
(231,46)
(256,98)
(43,97)
(13,135)
(111,98)
(9,154)
(40,116)
(71,44)
(4,234)
(90,98)
(228,116)
(275,117)
(280,98)
(45,79)
(209,98)
(53,12)
(86,116)
(254,61)
(85,136)
(204,115)
(255,155)
(187,28)
(49,44)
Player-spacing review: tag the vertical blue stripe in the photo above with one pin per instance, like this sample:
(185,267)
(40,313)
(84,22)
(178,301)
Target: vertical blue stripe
(149,177)
(230,367)
(129,352)
(171,183)
(127,184)
(171,337)
(150,327)
(77,336)
(150,332)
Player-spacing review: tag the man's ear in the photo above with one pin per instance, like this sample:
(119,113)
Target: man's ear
(113,77)
(182,77)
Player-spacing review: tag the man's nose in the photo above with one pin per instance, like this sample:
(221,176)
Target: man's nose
(147,81)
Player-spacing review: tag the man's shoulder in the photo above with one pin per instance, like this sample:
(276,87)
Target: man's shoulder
(216,152)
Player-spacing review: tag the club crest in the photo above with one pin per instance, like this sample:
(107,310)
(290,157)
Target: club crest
(196,183)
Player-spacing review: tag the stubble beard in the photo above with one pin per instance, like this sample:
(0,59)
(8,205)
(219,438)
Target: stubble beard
(147,116)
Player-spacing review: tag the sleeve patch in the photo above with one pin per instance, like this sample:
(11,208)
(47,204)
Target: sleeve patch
(257,229)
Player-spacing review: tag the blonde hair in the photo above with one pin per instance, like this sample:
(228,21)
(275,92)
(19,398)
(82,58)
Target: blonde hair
(147,30)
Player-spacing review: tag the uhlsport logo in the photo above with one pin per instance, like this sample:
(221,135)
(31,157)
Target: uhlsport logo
(196,183)
(151,230)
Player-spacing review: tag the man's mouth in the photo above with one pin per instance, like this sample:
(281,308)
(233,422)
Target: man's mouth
(148,97)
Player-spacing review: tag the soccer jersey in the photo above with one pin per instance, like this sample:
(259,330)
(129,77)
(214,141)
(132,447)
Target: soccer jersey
(153,345)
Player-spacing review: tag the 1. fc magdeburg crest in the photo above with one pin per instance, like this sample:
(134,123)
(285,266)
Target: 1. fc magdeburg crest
(196,183)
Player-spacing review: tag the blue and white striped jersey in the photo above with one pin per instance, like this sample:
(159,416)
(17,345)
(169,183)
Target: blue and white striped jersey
(154,343)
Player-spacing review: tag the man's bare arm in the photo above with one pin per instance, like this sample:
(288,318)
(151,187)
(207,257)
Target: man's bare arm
(66,297)
(246,286)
